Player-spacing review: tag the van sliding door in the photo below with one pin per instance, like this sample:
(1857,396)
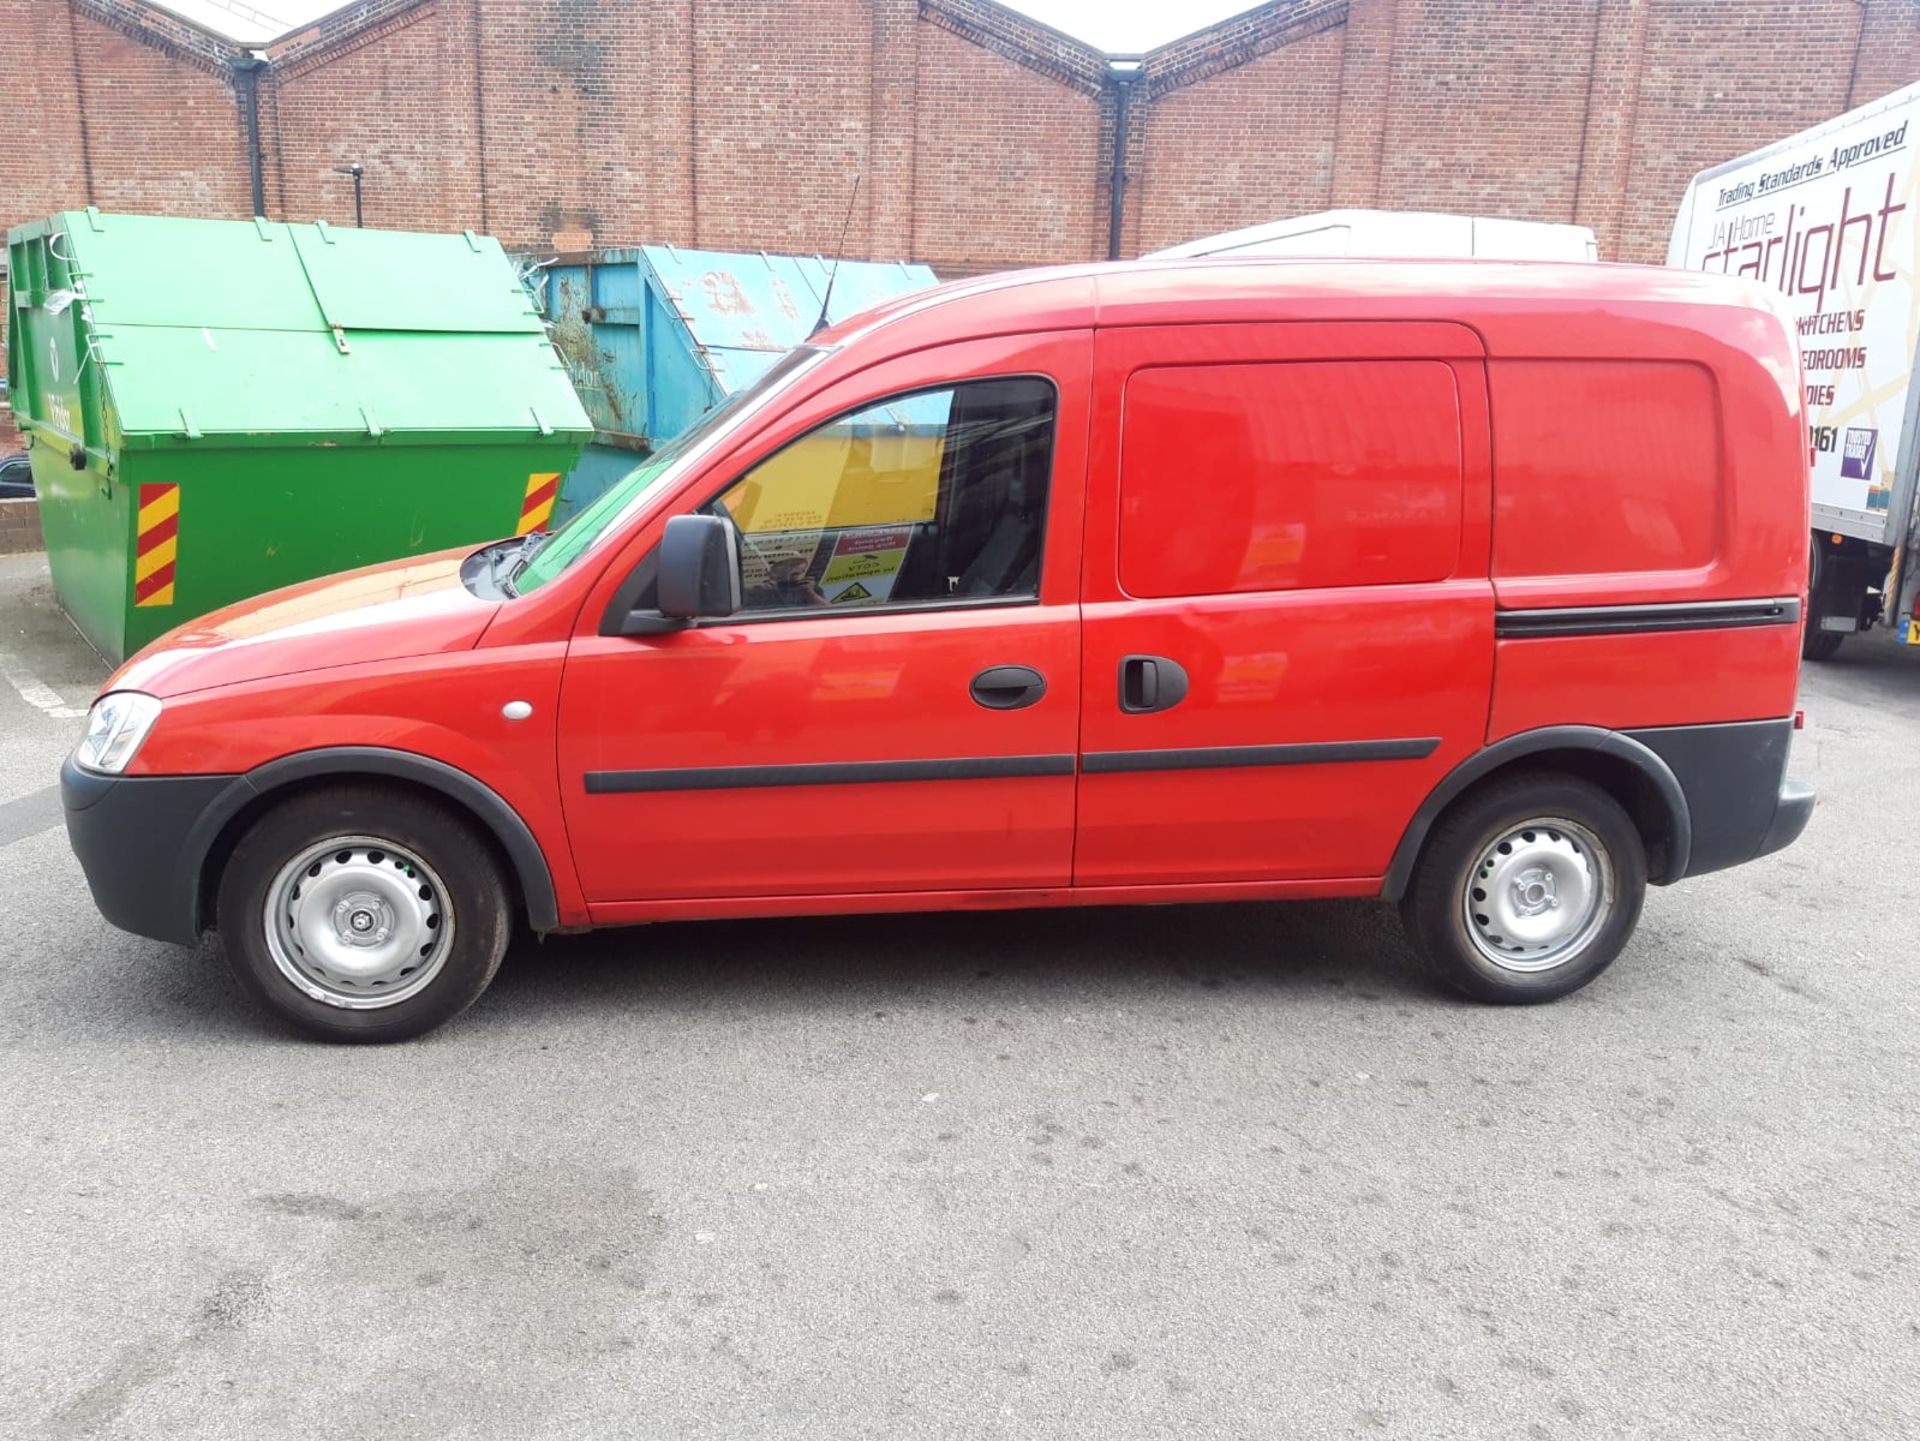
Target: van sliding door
(1287,618)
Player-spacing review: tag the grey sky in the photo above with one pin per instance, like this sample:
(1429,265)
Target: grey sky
(1116,25)
(1127,26)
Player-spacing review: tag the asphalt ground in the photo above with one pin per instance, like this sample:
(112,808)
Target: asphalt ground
(1204,1172)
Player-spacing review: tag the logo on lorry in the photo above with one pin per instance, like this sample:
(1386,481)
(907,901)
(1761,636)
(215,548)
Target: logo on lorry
(1856,458)
(1825,261)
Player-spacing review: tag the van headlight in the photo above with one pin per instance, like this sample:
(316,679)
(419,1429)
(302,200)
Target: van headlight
(117,726)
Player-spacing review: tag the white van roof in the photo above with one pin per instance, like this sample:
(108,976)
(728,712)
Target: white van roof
(1397,233)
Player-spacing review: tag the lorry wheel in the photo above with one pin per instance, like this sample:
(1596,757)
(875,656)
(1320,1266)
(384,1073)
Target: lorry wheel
(1526,889)
(1820,644)
(363,915)
(1815,643)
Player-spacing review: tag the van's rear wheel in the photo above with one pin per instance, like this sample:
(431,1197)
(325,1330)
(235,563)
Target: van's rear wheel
(1527,889)
(362,915)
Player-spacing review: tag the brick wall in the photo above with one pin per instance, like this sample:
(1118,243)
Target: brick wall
(1238,144)
(161,128)
(982,138)
(584,113)
(19,525)
(790,119)
(45,163)
(1007,153)
(1485,115)
(1795,66)
(376,105)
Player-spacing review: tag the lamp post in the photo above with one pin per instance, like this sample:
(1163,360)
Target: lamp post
(356,171)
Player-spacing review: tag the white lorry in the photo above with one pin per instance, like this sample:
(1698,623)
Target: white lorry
(1827,217)
(1410,234)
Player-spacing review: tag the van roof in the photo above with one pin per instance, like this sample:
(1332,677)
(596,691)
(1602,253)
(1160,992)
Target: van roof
(1481,294)
(1370,225)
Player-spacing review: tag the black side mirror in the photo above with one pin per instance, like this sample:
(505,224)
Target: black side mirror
(699,568)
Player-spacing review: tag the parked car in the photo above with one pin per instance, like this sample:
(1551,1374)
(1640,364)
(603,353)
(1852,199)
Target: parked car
(1230,582)
(16,476)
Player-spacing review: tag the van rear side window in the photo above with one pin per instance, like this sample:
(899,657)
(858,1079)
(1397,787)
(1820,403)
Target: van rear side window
(1288,476)
(1603,466)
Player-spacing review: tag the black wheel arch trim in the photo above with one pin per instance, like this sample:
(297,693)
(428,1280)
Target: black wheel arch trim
(501,820)
(1485,761)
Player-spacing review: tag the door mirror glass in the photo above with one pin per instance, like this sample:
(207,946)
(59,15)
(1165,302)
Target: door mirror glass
(699,568)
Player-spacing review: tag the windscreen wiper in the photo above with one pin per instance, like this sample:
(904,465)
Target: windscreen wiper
(523,553)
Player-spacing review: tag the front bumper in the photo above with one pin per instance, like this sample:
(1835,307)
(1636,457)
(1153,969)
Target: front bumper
(136,840)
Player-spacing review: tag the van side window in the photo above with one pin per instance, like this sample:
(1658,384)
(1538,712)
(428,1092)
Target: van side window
(927,497)
(1605,466)
(1289,475)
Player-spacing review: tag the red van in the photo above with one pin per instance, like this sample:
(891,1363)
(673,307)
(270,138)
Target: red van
(1475,587)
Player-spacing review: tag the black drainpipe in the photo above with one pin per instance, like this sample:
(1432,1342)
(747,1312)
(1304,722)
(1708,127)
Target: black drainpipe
(1123,72)
(246,78)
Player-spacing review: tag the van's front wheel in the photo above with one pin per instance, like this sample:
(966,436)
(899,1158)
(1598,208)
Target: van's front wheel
(360,915)
(1527,889)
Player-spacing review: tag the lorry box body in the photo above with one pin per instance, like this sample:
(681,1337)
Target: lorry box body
(654,336)
(1826,218)
(217,408)
(1395,234)
(1476,587)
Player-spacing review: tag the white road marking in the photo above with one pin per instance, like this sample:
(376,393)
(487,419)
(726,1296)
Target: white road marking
(35,692)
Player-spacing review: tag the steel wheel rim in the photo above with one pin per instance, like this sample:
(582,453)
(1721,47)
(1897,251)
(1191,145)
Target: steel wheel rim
(358,922)
(1536,894)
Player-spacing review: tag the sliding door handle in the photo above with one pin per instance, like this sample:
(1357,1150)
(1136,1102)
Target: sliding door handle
(1151,683)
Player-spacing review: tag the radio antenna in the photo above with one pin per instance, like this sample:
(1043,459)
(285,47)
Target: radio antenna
(833,274)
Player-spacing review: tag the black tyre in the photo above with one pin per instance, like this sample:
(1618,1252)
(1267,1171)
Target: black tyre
(1815,643)
(1526,889)
(1820,644)
(366,915)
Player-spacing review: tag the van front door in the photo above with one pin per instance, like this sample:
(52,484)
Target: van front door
(1288,622)
(895,708)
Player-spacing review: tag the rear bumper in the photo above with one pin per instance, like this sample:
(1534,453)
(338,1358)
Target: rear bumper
(1739,801)
(132,836)
(1790,816)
